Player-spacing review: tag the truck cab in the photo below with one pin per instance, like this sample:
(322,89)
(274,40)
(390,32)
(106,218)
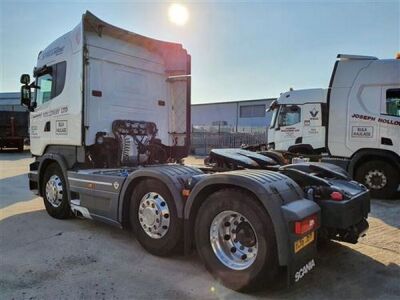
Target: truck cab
(354,123)
(364,121)
(299,121)
(92,79)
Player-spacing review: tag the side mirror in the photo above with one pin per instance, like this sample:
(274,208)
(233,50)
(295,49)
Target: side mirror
(26,96)
(25,79)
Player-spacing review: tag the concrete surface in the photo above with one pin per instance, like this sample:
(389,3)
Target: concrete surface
(41,257)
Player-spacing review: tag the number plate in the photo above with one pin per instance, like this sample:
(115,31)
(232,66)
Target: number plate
(300,244)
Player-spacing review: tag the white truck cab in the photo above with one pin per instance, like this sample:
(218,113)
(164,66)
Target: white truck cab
(299,121)
(92,79)
(355,122)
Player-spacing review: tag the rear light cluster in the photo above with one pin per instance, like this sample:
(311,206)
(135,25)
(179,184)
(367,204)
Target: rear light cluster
(337,196)
(306,225)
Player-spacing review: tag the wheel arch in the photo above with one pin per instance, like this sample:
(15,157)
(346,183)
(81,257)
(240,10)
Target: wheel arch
(123,209)
(173,177)
(46,160)
(269,201)
(363,155)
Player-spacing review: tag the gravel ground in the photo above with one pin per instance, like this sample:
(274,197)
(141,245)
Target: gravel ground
(41,257)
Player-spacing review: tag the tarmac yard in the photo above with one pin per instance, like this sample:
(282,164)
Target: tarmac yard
(41,257)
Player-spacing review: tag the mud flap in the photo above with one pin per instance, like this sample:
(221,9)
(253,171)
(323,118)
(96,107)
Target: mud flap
(302,263)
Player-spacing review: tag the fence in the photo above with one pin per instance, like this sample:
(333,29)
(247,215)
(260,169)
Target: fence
(203,142)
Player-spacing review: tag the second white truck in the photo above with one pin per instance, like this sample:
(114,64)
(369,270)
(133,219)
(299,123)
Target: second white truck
(355,123)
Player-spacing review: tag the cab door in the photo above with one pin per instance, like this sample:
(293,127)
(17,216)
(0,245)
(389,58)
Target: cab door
(40,119)
(289,128)
(389,120)
(313,129)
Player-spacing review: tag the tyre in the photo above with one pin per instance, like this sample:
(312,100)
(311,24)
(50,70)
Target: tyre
(153,218)
(380,177)
(54,191)
(236,241)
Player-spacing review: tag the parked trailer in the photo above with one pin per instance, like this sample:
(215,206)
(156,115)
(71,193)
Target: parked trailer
(13,129)
(109,125)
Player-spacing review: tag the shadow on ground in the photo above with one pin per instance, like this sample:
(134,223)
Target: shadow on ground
(387,211)
(12,154)
(15,189)
(344,273)
(44,257)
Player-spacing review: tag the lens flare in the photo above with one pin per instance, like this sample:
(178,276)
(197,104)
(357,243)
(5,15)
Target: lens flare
(178,14)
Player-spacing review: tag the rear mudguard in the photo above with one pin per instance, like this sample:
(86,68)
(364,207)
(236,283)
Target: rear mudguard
(173,176)
(281,196)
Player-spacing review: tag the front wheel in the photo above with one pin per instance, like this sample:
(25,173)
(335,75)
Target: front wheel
(236,240)
(154,219)
(381,178)
(54,193)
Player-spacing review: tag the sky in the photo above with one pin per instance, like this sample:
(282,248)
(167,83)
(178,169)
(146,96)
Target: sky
(240,50)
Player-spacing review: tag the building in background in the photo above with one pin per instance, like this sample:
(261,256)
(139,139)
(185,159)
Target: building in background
(246,116)
(229,124)
(214,125)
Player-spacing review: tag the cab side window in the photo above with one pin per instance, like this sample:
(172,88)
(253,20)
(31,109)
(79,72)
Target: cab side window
(289,115)
(393,102)
(51,83)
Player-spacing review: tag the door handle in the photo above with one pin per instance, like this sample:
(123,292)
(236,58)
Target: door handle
(47,126)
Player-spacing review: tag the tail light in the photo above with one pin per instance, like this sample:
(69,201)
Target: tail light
(336,196)
(306,225)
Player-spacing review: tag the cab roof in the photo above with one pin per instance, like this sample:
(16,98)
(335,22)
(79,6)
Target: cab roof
(303,96)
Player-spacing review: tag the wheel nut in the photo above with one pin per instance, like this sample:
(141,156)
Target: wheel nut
(233,249)
(244,256)
(166,216)
(162,204)
(241,247)
(227,237)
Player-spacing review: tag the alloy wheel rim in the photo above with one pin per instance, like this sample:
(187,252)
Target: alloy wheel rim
(233,240)
(54,191)
(154,216)
(376,179)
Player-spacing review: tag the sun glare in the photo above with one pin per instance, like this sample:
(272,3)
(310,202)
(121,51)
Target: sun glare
(178,14)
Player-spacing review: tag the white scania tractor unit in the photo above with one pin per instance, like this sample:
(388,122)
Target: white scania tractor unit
(355,123)
(109,124)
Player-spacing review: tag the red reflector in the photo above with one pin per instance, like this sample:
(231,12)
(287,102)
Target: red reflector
(337,196)
(305,225)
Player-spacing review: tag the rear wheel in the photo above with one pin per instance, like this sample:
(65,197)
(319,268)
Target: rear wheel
(380,177)
(154,219)
(54,193)
(236,240)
